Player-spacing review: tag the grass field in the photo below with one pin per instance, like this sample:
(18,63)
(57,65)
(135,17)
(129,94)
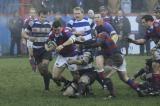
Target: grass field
(19,86)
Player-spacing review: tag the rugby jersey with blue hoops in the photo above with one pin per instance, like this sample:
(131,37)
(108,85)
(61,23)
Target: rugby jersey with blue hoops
(81,26)
(40,31)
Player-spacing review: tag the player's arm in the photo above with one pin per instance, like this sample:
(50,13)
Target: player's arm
(138,41)
(26,31)
(81,61)
(93,44)
(112,32)
(50,45)
(25,34)
(71,40)
(114,37)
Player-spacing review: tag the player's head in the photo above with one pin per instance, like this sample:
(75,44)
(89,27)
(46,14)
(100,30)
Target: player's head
(147,20)
(42,14)
(56,27)
(32,12)
(103,11)
(98,19)
(78,13)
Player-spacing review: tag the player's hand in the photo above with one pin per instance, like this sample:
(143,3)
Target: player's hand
(59,48)
(47,48)
(50,44)
(70,61)
(80,39)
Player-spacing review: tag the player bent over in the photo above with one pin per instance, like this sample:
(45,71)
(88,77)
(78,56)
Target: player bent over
(108,55)
(57,39)
(152,33)
(85,76)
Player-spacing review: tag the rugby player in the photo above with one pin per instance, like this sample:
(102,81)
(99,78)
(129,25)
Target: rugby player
(80,26)
(57,41)
(152,33)
(108,55)
(37,32)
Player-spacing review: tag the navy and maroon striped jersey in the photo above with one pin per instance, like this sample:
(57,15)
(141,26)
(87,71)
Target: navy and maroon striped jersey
(153,32)
(108,47)
(67,51)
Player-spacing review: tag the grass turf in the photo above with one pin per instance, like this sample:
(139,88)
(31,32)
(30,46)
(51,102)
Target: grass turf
(20,86)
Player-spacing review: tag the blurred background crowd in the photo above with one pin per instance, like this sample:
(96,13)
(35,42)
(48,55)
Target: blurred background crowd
(124,14)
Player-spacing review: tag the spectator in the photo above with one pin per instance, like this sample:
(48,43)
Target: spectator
(15,27)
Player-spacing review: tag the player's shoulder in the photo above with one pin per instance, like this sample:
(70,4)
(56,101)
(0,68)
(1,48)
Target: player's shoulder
(66,31)
(71,21)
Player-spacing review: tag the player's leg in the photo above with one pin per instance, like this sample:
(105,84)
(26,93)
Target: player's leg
(107,83)
(156,75)
(31,57)
(122,72)
(43,69)
(58,68)
(43,62)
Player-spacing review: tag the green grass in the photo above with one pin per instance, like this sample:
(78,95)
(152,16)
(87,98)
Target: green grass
(19,86)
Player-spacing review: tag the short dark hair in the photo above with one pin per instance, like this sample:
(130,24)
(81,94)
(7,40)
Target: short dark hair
(147,18)
(56,24)
(78,8)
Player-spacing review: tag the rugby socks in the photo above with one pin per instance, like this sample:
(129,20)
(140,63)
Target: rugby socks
(65,81)
(46,79)
(156,82)
(99,80)
(102,75)
(109,85)
(132,84)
